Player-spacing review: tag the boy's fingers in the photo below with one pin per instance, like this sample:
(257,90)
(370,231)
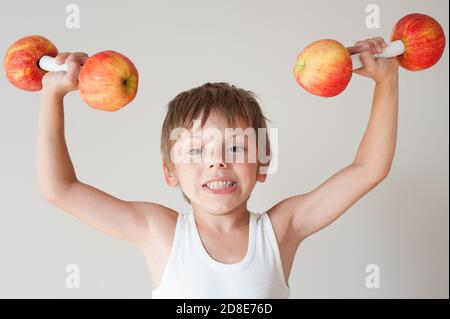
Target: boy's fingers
(364,45)
(361,44)
(73,69)
(368,60)
(71,57)
(358,47)
(381,41)
(79,57)
(83,59)
(379,45)
(372,46)
(61,57)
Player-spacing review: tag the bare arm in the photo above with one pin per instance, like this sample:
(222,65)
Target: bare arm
(310,212)
(54,166)
(58,182)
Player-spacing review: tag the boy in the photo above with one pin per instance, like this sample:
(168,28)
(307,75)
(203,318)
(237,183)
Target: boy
(220,249)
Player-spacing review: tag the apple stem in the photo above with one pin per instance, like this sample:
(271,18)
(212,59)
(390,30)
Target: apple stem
(392,49)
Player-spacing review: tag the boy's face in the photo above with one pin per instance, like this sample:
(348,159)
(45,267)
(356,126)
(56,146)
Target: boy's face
(211,153)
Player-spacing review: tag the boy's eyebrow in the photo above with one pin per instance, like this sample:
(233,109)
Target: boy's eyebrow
(194,137)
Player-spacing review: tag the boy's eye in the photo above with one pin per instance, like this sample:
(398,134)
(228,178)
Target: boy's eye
(236,148)
(195,151)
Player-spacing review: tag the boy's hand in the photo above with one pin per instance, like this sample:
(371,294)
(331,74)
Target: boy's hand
(379,69)
(63,82)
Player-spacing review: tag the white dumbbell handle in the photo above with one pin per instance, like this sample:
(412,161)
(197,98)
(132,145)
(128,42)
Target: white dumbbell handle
(391,50)
(48,63)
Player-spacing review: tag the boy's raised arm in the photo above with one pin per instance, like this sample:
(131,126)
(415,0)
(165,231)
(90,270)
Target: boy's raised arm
(58,183)
(308,213)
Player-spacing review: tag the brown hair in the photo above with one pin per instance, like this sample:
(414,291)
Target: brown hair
(228,100)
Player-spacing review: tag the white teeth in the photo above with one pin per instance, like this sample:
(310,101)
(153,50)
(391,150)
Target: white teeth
(220,185)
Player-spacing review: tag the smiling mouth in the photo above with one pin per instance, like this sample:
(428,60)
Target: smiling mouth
(215,185)
(220,187)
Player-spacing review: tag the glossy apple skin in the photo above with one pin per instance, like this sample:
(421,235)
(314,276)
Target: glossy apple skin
(108,81)
(424,41)
(324,68)
(21,61)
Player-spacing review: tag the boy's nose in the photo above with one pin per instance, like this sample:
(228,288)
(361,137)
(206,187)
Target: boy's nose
(217,158)
(222,164)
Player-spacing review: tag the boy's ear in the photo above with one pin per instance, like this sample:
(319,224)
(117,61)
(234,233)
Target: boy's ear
(169,175)
(261,177)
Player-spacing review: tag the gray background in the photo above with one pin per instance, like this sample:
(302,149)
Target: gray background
(402,225)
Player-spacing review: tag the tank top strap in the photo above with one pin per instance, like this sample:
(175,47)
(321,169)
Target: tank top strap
(271,237)
(180,230)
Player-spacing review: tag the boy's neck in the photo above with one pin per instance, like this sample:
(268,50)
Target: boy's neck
(222,222)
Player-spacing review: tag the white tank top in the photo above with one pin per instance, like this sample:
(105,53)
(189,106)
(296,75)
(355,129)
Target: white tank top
(191,273)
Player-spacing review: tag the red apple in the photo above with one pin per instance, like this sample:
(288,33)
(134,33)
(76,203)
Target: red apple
(324,68)
(21,62)
(424,41)
(108,81)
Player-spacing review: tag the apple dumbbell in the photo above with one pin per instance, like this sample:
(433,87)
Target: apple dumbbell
(324,67)
(108,80)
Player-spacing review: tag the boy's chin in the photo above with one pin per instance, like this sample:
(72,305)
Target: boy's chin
(218,206)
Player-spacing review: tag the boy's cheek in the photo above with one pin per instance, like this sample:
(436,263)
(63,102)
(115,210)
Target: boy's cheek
(188,174)
(247,172)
